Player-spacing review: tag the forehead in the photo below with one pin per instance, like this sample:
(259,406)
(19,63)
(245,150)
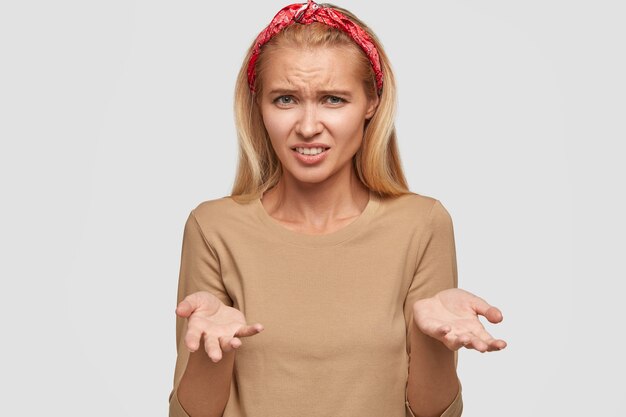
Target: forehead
(311,69)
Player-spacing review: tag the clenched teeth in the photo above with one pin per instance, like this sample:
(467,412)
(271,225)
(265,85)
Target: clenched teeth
(310,151)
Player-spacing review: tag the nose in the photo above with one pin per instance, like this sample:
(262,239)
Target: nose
(309,124)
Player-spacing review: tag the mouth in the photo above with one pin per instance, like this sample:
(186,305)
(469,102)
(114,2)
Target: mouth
(311,151)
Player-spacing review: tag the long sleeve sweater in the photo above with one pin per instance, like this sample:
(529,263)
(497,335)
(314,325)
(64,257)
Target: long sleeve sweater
(336,307)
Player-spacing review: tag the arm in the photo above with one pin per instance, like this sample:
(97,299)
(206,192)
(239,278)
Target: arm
(201,387)
(204,388)
(433,388)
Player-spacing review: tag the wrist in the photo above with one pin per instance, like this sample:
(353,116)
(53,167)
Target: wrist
(424,342)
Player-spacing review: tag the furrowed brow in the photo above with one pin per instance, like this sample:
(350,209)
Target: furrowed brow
(344,93)
(287,91)
(282,91)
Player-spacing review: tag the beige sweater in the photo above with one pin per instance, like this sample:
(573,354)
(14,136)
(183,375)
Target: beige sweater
(335,307)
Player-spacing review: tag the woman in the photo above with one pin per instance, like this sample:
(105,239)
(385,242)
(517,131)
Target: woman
(350,277)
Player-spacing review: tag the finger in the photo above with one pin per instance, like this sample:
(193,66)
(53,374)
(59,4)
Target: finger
(192,339)
(491,347)
(483,334)
(188,305)
(478,344)
(212,347)
(235,342)
(491,344)
(229,344)
(494,315)
(249,330)
(480,306)
(454,342)
(184,309)
(225,343)
(489,341)
(497,344)
(463,340)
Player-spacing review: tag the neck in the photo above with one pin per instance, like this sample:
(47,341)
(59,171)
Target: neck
(317,205)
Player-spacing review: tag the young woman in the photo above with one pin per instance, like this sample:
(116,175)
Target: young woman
(349,278)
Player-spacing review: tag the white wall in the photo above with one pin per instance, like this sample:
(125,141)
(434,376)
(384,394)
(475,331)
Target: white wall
(116,120)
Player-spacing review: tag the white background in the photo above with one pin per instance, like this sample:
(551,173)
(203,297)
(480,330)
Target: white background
(116,120)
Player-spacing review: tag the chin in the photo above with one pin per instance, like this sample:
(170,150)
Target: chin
(309,177)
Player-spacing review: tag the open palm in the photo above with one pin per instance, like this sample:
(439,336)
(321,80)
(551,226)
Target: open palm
(220,324)
(451,317)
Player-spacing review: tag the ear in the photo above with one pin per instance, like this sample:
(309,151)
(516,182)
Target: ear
(371,107)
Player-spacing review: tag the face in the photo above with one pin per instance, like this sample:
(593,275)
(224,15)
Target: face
(314,99)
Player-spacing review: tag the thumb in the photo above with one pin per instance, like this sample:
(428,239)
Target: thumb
(184,309)
(493,314)
(249,330)
(188,305)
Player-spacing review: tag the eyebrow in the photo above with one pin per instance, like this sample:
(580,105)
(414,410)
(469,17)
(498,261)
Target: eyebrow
(346,93)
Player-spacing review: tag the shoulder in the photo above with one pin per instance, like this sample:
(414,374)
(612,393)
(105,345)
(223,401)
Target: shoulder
(223,211)
(414,207)
(214,207)
(417,212)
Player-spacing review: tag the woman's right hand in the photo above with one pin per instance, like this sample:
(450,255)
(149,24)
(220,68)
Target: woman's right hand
(220,324)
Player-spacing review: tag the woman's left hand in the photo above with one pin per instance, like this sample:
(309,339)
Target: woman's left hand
(451,317)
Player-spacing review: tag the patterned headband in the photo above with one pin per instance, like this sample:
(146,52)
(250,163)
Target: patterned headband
(306,13)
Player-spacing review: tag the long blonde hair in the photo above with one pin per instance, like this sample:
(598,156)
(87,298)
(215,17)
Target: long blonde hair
(376,163)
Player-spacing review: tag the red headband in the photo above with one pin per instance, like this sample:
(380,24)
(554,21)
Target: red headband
(306,13)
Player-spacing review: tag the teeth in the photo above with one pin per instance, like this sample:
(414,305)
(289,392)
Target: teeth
(310,151)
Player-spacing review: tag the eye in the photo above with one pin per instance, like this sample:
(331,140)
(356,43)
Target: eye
(335,100)
(284,100)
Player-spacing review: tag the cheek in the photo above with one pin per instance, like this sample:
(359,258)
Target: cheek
(278,125)
(346,126)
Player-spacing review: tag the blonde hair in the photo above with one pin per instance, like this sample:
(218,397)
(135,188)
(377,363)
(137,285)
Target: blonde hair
(377,162)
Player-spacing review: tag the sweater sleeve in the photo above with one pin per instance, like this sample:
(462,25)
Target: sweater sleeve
(435,270)
(199,271)
(455,409)
(199,264)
